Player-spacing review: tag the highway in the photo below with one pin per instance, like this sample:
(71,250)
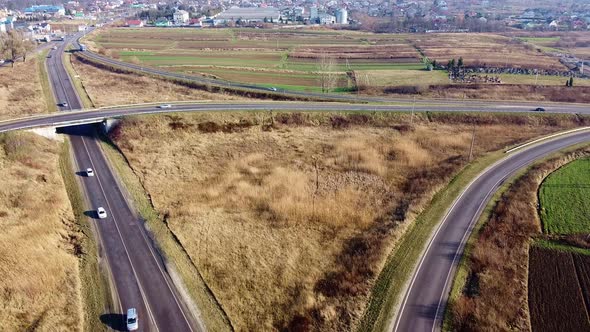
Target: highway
(138,272)
(423,305)
(98,115)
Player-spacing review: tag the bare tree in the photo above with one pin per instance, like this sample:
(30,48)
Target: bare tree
(14,46)
(327,74)
(362,81)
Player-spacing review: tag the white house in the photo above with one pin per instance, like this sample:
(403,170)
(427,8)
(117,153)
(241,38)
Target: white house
(327,18)
(181,17)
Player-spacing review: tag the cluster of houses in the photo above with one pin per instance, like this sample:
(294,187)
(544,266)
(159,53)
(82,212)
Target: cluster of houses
(248,16)
(179,18)
(32,29)
(556,19)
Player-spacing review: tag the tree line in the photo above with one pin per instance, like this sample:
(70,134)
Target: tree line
(14,46)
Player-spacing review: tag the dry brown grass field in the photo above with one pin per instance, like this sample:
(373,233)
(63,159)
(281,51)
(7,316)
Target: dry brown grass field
(106,88)
(580,93)
(484,50)
(39,244)
(290,216)
(21,92)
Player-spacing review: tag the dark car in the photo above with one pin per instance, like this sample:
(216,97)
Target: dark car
(539,109)
(63,104)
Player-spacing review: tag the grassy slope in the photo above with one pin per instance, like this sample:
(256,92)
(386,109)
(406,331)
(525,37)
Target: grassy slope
(212,314)
(84,96)
(401,263)
(21,90)
(141,156)
(40,285)
(47,93)
(462,272)
(565,199)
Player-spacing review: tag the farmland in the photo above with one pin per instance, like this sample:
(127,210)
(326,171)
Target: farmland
(558,290)
(284,58)
(573,42)
(496,266)
(293,59)
(255,199)
(486,50)
(565,199)
(106,88)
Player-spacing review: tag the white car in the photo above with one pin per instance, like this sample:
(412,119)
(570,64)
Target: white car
(165,106)
(102,213)
(132,323)
(272,89)
(89,172)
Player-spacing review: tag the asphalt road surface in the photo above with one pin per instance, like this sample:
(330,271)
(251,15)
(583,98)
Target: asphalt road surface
(128,246)
(423,306)
(59,119)
(138,271)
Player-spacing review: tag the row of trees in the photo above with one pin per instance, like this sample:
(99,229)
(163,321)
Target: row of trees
(455,64)
(14,46)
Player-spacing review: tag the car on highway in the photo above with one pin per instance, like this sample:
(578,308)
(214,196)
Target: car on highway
(165,106)
(62,104)
(89,172)
(272,88)
(54,48)
(132,320)
(102,213)
(539,109)
(48,56)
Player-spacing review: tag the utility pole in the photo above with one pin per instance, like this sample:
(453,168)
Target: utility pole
(413,107)
(472,143)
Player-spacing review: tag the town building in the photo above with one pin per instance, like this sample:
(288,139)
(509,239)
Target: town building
(326,19)
(45,9)
(181,17)
(313,13)
(342,16)
(134,23)
(248,15)
(162,22)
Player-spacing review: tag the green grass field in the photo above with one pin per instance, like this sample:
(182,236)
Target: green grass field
(541,80)
(565,199)
(291,58)
(267,57)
